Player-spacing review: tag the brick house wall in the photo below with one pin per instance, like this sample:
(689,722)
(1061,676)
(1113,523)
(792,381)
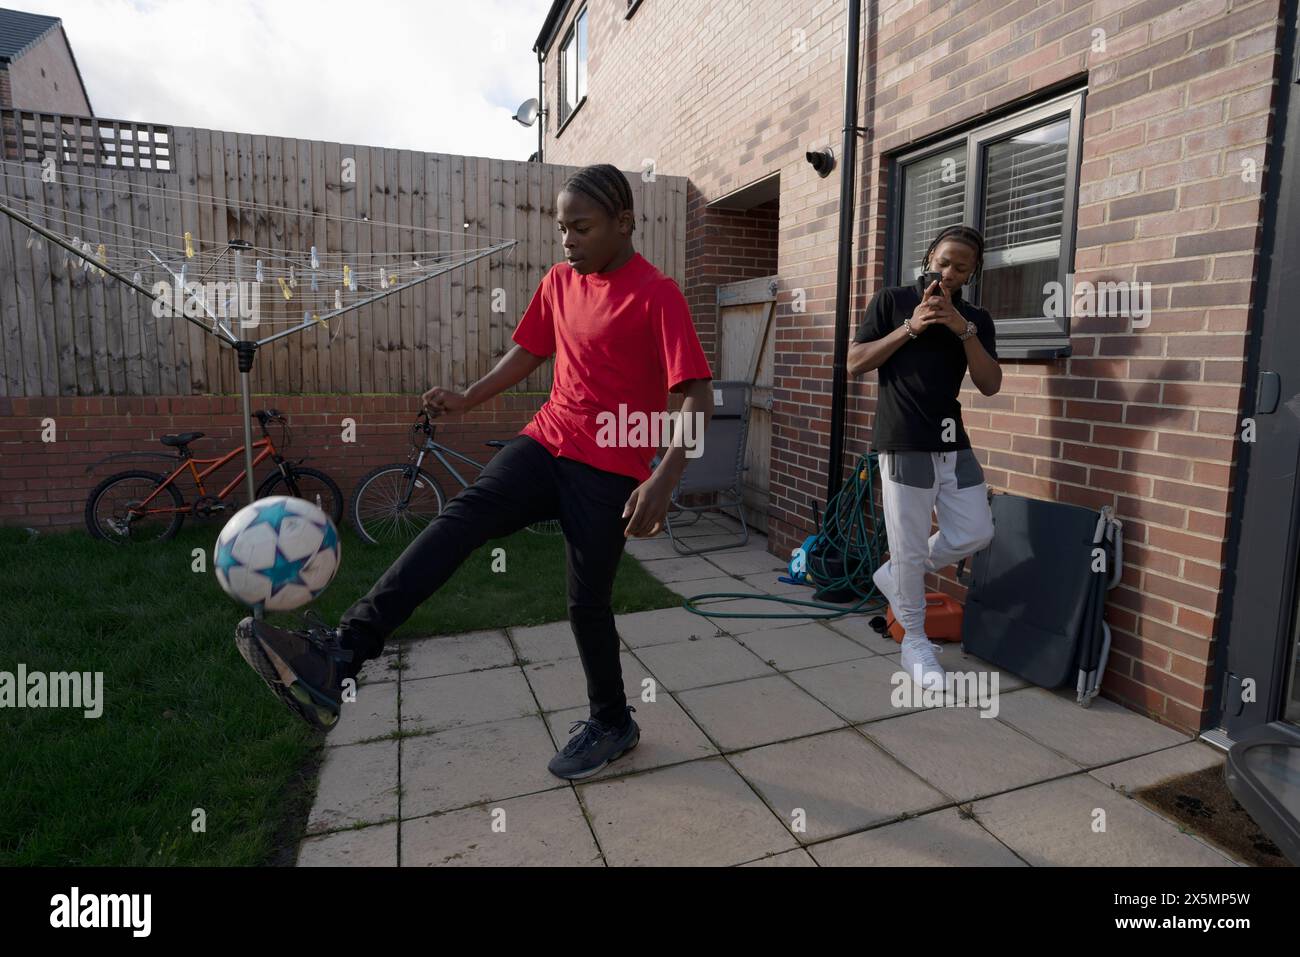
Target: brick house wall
(1144,421)
(725,245)
(45,78)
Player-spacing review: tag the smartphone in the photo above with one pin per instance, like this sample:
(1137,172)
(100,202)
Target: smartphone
(924,281)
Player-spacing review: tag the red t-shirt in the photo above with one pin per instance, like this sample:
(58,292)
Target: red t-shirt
(621,338)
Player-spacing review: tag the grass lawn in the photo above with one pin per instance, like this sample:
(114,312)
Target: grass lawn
(186,724)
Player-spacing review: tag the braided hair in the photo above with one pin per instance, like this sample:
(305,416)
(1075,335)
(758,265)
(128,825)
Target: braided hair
(605,185)
(964,234)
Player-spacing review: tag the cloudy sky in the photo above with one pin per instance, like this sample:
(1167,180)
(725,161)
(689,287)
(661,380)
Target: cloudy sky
(433,75)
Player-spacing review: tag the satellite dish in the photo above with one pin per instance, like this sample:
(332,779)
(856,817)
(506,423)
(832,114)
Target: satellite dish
(527,113)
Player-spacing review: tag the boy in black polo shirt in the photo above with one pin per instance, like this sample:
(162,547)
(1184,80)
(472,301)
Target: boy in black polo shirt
(923,346)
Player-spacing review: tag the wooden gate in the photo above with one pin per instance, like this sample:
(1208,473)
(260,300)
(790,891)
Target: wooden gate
(747,353)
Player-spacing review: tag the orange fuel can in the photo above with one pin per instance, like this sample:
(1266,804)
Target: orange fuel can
(942,619)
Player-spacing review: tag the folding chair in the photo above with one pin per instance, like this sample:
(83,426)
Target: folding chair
(719,469)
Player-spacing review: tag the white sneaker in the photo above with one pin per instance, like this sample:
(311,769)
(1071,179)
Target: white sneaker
(919,661)
(884,579)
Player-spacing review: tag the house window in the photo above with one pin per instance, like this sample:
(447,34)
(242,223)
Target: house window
(1016,181)
(573,67)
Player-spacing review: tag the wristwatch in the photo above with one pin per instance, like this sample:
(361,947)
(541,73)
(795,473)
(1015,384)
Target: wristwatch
(970,331)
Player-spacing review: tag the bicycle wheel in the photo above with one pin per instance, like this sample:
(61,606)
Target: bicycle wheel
(378,512)
(108,506)
(311,485)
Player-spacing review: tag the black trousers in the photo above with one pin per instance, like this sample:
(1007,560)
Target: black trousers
(522,484)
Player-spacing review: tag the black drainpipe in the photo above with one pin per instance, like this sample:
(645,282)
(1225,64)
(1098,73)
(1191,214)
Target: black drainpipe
(541,107)
(844,267)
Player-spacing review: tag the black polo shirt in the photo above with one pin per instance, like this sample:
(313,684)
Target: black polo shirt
(919,383)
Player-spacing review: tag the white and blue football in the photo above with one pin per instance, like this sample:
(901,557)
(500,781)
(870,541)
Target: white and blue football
(277,554)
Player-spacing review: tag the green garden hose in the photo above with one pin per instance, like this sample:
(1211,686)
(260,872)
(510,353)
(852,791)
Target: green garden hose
(852,533)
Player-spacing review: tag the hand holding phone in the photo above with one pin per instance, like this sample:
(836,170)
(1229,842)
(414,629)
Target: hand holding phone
(925,281)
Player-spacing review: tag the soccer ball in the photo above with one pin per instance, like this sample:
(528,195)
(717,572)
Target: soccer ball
(277,554)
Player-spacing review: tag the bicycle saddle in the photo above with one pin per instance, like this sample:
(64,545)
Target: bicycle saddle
(183,439)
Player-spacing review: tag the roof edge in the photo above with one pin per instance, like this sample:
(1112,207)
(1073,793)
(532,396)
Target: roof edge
(551,25)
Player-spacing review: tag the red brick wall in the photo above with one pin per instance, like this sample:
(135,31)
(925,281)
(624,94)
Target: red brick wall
(45,484)
(730,92)
(722,246)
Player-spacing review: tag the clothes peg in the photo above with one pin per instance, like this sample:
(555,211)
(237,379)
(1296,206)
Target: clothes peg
(284,289)
(101,253)
(347,275)
(383,278)
(315,259)
(293,281)
(259,270)
(189,245)
(338,299)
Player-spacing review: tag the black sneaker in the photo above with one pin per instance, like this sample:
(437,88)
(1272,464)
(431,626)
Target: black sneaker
(593,747)
(304,668)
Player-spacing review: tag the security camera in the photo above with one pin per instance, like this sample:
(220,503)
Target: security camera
(822,160)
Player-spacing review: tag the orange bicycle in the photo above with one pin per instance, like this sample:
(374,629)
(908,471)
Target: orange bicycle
(147,506)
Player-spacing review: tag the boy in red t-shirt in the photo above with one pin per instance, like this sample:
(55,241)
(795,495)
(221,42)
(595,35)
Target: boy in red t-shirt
(622,338)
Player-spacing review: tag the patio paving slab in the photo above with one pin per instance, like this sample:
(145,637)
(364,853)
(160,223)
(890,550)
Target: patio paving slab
(708,661)
(965,755)
(365,847)
(747,561)
(746,714)
(697,814)
(486,762)
(860,690)
(939,839)
(1148,769)
(540,830)
(682,569)
(1099,734)
(372,715)
(801,646)
(476,697)
(797,858)
(840,781)
(549,642)
(705,586)
(661,626)
(1052,825)
(563,684)
(455,654)
(358,785)
(382,668)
